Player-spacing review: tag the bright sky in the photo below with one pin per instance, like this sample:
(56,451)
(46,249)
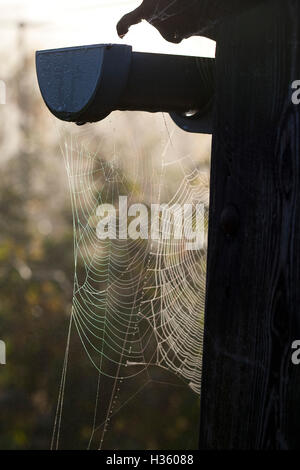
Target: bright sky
(62,23)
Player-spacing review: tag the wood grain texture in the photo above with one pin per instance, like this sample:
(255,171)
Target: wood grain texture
(251,390)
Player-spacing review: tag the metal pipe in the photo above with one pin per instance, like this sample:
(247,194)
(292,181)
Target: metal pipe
(86,83)
(160,82)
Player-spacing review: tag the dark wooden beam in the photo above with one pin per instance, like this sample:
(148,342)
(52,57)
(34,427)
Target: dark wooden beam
(251,389)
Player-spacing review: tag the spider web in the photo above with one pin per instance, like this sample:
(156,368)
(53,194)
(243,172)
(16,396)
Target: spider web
(138,305)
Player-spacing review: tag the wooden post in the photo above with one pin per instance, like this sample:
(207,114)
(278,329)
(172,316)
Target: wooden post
(251,390)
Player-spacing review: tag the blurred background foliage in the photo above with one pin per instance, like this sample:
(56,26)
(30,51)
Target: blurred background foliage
(36,282)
